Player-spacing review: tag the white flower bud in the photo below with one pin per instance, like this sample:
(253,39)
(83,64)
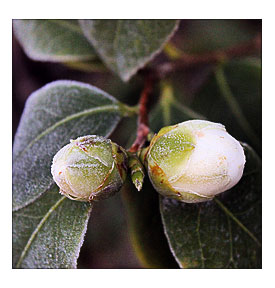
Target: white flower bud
(193,161)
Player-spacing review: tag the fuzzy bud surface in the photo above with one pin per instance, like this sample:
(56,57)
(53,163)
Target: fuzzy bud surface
(193,161)
(89,168)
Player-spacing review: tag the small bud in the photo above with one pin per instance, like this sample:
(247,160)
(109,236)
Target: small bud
(90,168)
(193,161)
(136,169)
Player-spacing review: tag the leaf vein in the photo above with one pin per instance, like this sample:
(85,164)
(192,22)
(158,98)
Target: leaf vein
(199,239)
(231,259)
(237,221)
(70,118)
(37,229)
(234,105)
(66,24)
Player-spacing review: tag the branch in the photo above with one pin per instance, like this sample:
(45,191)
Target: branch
(143,128)
(186,60)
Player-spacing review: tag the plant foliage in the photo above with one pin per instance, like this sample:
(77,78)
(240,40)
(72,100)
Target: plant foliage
(49,229)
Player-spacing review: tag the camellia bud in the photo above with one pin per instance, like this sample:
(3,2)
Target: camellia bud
(136,169)
(193,161)
(90,168)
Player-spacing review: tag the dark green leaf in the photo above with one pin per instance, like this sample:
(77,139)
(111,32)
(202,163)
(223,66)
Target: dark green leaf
(49,232)
(145,227)
(128,45)
(53,115)
(181,220)
(232,98)
(107,244)
(222,233)
(169,111)
(53,40)
(200,36)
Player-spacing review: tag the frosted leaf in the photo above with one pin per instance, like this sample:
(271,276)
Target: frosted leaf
(128,45)
(49,232)
(79,109)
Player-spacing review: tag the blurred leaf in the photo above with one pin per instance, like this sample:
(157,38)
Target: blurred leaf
(53,40)
(222,233)
(243,80)
(126,92)
(145,226)
(234,106)
(128,45)
(187,83)
(49,232)
(231,96)
(87,66)
(169,110)
(200,36)
(107,244)
(53,115)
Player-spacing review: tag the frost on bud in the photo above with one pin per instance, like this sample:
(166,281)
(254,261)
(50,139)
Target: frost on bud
(193,161)
(90,168)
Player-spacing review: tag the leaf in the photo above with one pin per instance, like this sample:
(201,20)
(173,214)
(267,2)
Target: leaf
(201,36)
(181,220)
(53,40)
(243,81)
(107,244)
(128,45)
(231,97)
(53,115)
(169,111)
(49,232)
(145,227)
(222,233)
(48,229)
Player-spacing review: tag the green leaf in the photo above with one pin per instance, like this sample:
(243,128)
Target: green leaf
(53,40)
(145,227)
(222,233)
(231,96)
(107,244)
(48,229)
(49,232)
(53,115)
(181,220)
(201,36)
(234,99)
(128,45)
(169,111)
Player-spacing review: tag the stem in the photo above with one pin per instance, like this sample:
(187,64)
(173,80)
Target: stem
(183,61)
(167,99)
(128,111)
(172,51)
(143,128)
